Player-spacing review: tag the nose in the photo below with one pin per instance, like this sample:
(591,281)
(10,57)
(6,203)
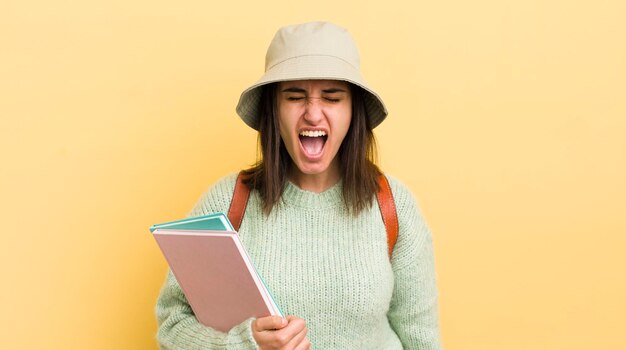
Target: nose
(313,110)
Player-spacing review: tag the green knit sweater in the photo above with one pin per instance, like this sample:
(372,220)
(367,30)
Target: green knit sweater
(327,267)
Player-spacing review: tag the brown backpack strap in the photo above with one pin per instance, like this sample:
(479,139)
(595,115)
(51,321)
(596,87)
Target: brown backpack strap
(239,202)
(388,211)
(384,196)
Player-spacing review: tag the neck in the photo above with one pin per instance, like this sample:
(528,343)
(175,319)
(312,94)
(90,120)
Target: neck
(315,182)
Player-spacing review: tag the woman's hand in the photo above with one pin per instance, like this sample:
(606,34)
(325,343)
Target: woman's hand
(274,333)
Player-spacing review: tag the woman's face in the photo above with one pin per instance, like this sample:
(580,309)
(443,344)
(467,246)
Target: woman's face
(314,117)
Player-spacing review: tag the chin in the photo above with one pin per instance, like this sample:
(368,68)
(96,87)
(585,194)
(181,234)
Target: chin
(313,169)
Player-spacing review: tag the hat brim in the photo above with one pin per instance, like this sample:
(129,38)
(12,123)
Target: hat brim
(310,67)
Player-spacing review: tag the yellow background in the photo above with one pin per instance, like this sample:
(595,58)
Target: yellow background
(507,120)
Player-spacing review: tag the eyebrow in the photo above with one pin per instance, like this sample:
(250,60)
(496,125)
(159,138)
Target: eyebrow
(302,91)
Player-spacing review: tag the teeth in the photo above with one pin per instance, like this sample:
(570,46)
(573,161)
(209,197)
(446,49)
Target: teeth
(312,133)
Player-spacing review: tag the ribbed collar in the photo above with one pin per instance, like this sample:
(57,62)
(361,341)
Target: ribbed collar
(294,195)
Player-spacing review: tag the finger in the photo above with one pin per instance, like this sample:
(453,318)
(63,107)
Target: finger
(284,337)
(269,323)
(265,334)
(297,339)
(295,325)
(305,344)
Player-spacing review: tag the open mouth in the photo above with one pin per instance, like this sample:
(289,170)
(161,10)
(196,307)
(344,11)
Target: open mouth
(313,141)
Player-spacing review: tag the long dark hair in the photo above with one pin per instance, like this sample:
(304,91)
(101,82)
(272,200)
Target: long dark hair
(357,155)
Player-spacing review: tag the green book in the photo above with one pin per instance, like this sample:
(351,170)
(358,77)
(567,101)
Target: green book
(217,222)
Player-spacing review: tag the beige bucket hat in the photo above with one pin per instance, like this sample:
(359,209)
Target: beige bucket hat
(314,50)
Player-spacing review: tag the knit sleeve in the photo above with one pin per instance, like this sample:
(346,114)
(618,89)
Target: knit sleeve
(413,312)
(178,327)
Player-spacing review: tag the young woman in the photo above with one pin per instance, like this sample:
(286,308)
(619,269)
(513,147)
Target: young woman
(312,224)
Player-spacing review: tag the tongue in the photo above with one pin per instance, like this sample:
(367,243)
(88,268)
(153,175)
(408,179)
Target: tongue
(312,145)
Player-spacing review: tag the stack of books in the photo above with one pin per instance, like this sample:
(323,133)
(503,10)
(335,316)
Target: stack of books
(214,271)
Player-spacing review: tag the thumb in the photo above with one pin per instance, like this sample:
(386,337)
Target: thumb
(269,323)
